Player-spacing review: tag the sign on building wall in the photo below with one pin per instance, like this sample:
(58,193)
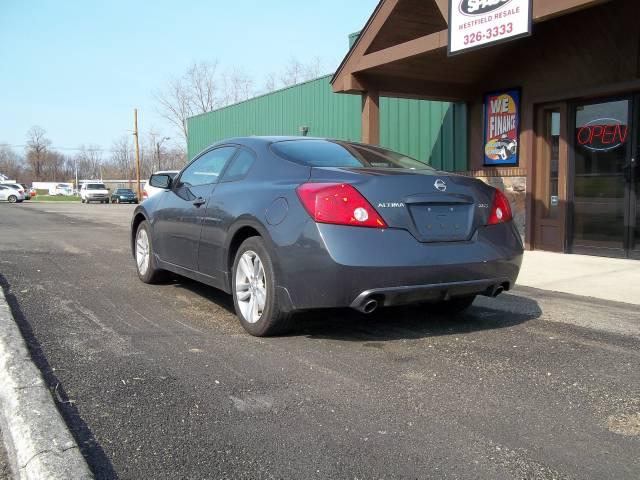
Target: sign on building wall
(480,23)
(502,128)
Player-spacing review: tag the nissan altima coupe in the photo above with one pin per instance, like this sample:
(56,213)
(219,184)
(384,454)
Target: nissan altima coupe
(291,224)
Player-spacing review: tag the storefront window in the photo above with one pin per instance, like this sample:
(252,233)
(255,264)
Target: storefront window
(602,140)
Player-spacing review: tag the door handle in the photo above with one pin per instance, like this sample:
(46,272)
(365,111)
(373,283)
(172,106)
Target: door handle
(199,201)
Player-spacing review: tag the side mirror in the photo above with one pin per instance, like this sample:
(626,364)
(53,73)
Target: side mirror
(160,181)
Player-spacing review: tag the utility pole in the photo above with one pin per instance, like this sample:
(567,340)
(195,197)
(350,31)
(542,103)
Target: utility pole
(76,169)
(135,134)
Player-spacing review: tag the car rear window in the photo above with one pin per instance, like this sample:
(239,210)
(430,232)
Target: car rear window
(334,153)
(96,186)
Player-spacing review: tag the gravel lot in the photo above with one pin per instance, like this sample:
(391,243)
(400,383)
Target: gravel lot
(162,382)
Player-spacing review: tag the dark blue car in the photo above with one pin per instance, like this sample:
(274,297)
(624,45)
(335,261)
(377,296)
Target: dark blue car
(291,224)
(124,195)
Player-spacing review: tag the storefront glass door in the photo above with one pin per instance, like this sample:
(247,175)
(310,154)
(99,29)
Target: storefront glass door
(604,220)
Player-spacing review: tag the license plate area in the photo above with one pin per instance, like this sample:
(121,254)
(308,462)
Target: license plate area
(443,222)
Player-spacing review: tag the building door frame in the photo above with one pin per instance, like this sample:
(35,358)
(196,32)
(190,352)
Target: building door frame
(550,211)
(630,241)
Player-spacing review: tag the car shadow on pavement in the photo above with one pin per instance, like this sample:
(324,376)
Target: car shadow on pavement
(220,298)
(91,450)
(415,322)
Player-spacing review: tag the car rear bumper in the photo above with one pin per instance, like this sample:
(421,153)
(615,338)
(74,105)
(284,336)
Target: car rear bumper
(338,266)
(388,296)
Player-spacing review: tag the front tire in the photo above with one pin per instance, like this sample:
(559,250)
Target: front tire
(254,296)
(146,266)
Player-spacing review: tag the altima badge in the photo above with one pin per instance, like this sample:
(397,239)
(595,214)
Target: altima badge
(440,185)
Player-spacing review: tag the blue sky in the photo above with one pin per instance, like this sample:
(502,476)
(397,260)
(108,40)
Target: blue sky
(78,68)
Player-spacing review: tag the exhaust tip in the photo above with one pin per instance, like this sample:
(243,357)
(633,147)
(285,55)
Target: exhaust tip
(498,291)
(370,306)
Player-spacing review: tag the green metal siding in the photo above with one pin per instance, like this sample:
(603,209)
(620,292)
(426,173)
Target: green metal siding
(432,131)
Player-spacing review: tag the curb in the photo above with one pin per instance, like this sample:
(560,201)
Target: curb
(39,444)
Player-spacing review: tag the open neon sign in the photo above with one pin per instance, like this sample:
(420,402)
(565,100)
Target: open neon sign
(603,134)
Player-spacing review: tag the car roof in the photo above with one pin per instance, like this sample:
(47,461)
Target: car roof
(266,140)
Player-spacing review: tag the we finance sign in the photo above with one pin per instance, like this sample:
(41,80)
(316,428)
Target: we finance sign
(502,128)
(480,23)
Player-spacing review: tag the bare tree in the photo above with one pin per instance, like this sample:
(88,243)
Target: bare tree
(197,91)
(202,89)
(202,81)
(313,69)
(11,164)
(88,161)
(271,83)
(237,86)
(37,145)
(175,105)
(293,73)
(53,166)
(122,162)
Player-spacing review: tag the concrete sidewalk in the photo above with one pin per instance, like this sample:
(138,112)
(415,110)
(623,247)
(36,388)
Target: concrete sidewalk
(606,278)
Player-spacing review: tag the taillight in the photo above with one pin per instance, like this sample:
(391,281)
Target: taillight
(338,203)
(145,194)
(500,209)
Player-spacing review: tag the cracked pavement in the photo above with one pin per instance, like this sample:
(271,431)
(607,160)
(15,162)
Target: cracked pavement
(162,382)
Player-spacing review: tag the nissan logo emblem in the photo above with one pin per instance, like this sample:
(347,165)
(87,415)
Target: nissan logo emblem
(440,185)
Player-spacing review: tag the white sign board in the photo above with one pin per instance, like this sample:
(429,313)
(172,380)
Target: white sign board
(480,23)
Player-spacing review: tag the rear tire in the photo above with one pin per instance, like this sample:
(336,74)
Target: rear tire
(254,295)
(452,307)
(146,266)
(12,199)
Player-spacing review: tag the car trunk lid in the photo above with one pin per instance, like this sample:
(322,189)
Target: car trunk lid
(434,206)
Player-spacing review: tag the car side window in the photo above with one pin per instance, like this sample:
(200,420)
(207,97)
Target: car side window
(207,168)
(239,166)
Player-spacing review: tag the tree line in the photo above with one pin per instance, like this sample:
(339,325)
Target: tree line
(202,88)
(41,163)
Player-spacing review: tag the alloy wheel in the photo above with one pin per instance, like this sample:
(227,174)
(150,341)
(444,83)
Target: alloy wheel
(142,251)
(251,286)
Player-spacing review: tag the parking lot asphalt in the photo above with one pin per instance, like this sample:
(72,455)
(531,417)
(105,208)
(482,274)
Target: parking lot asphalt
(162,382)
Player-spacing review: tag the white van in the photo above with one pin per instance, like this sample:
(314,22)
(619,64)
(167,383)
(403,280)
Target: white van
(94,192)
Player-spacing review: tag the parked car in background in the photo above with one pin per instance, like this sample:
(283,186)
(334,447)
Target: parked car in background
(288,224)
(149,191)
(27,191)
(11,195)
(94,192)
(33,192)
(16,186)
(65,189)
(124,195)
